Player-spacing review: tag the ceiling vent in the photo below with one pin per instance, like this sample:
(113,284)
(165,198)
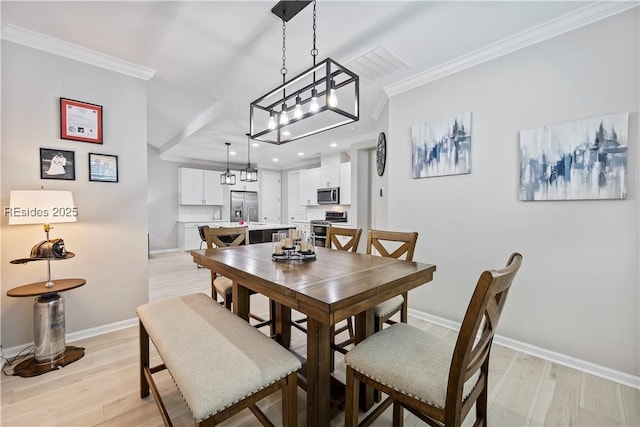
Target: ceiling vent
(376,64)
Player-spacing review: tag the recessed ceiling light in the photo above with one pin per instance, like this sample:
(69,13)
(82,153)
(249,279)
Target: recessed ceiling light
(300,154)
(233,153)
(286,133)
(255,144)
(275,159)
(333,144)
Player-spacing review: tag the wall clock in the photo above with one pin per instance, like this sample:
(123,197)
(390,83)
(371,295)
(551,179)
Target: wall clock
(381,153)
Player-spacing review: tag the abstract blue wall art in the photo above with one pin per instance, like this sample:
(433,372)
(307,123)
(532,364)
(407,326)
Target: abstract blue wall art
(584,159)
(441,147)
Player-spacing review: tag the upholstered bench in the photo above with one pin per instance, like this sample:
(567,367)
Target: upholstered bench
(219,362)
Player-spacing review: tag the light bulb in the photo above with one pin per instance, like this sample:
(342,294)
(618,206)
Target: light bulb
(272,120)
(314,106)
(284,116)
(297,113)
(332,99)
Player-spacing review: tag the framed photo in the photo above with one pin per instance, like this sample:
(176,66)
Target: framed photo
(80,121)
(57,164)
(103,167)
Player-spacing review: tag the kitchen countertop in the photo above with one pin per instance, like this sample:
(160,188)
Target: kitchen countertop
(252,226)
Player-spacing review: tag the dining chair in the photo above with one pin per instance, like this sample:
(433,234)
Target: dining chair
(437,379)
(221,285)
(392,244)
(203,238)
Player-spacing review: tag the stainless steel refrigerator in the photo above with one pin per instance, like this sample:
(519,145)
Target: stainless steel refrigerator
(244,205)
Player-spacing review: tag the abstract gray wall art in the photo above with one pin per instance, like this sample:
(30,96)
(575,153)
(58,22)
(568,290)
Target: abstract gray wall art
(441,147)
(584,159)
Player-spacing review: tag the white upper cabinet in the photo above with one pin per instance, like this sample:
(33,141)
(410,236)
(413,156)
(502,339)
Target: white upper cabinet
(309,179)
(329,177)
(345,183)
(199,187)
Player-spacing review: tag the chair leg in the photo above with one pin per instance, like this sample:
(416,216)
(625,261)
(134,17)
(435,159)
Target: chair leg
(398,419)
(351,402)
(404,311)
(481,408)
(289,402)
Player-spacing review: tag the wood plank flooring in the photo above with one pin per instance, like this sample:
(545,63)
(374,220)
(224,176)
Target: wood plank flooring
(102,388)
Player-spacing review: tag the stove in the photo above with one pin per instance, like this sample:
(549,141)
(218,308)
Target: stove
(319,227)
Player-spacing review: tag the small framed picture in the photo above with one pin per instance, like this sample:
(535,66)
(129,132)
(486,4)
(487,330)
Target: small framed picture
(57,164)
(103,167)
(80,121)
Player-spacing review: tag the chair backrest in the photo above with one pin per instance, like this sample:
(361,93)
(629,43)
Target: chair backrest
(227,236)
(386,243)
(471,353)
(351,245)
(201,231)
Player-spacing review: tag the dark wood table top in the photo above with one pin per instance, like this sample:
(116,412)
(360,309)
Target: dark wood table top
(334,286)
(39,288)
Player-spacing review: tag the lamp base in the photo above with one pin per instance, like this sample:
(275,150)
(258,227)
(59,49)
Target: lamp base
(31,368)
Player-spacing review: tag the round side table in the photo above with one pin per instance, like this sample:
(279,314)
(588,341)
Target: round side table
(50,350)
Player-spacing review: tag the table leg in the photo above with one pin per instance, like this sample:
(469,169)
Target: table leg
(283,325)
(241,301)
(364,328)
(318,373)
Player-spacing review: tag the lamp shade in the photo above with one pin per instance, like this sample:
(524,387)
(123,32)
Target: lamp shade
(41,207)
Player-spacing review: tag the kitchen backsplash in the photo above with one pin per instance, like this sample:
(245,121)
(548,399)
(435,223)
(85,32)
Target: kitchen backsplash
(199,213)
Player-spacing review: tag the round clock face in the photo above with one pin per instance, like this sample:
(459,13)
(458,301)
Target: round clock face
(381,153)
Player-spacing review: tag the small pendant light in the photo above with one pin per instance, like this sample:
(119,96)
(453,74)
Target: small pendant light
(249,174)
(228,178)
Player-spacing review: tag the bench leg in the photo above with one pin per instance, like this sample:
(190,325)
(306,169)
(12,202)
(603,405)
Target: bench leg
(290,401)
(144,360)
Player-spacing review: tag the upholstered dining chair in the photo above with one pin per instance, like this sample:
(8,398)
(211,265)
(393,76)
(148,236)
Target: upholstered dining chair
(437,379)
(392,244)
(342,239)
(223,286)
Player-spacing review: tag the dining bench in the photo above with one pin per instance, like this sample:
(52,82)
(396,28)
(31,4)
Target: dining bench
(219,362)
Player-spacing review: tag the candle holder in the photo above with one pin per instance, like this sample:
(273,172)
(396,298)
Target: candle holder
(292,246)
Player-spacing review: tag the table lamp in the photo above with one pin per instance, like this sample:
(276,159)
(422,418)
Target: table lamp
(44,207)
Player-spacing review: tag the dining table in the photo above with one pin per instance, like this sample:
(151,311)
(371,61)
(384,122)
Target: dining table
(334,286)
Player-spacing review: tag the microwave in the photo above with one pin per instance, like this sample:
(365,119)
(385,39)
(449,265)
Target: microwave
(329,196)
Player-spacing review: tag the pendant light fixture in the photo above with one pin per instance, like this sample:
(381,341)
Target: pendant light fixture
(308,103)
(249,174)
(228,178)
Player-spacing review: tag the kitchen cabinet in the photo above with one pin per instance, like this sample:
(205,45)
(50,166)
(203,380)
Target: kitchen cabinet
(309,180)
(345,183)
(199,187)
(329,177)
(189,237)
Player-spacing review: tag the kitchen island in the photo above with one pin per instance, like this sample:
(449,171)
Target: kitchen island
(259,232)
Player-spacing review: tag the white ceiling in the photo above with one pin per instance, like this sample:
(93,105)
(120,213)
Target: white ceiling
(212,58)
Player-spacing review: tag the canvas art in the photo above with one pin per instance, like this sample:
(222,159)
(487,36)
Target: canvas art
(441,147)
(584,159)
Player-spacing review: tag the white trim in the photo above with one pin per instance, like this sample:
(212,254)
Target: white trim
(571,21)
(552,356)
(80,335)
(381,102)
(68,50)
(163,251)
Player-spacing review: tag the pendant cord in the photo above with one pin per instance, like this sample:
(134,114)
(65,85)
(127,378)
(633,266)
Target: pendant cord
(283,70)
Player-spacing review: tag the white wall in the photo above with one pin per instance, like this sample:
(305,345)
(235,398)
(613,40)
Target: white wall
(577,292)
(110,237)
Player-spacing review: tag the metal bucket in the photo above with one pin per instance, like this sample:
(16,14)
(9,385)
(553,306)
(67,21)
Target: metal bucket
(48,328)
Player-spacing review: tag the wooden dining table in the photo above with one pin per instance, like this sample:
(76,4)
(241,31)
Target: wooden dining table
(331,288)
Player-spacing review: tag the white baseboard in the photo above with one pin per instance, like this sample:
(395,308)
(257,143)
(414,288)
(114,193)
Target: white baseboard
(552,356)
(164,251)
(77,336)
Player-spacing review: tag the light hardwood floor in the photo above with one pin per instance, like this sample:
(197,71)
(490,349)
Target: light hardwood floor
(102,388)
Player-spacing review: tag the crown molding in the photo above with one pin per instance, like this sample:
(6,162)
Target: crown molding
(571,21)
(55,46)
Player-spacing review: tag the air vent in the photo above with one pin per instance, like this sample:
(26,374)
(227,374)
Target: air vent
(375,65)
